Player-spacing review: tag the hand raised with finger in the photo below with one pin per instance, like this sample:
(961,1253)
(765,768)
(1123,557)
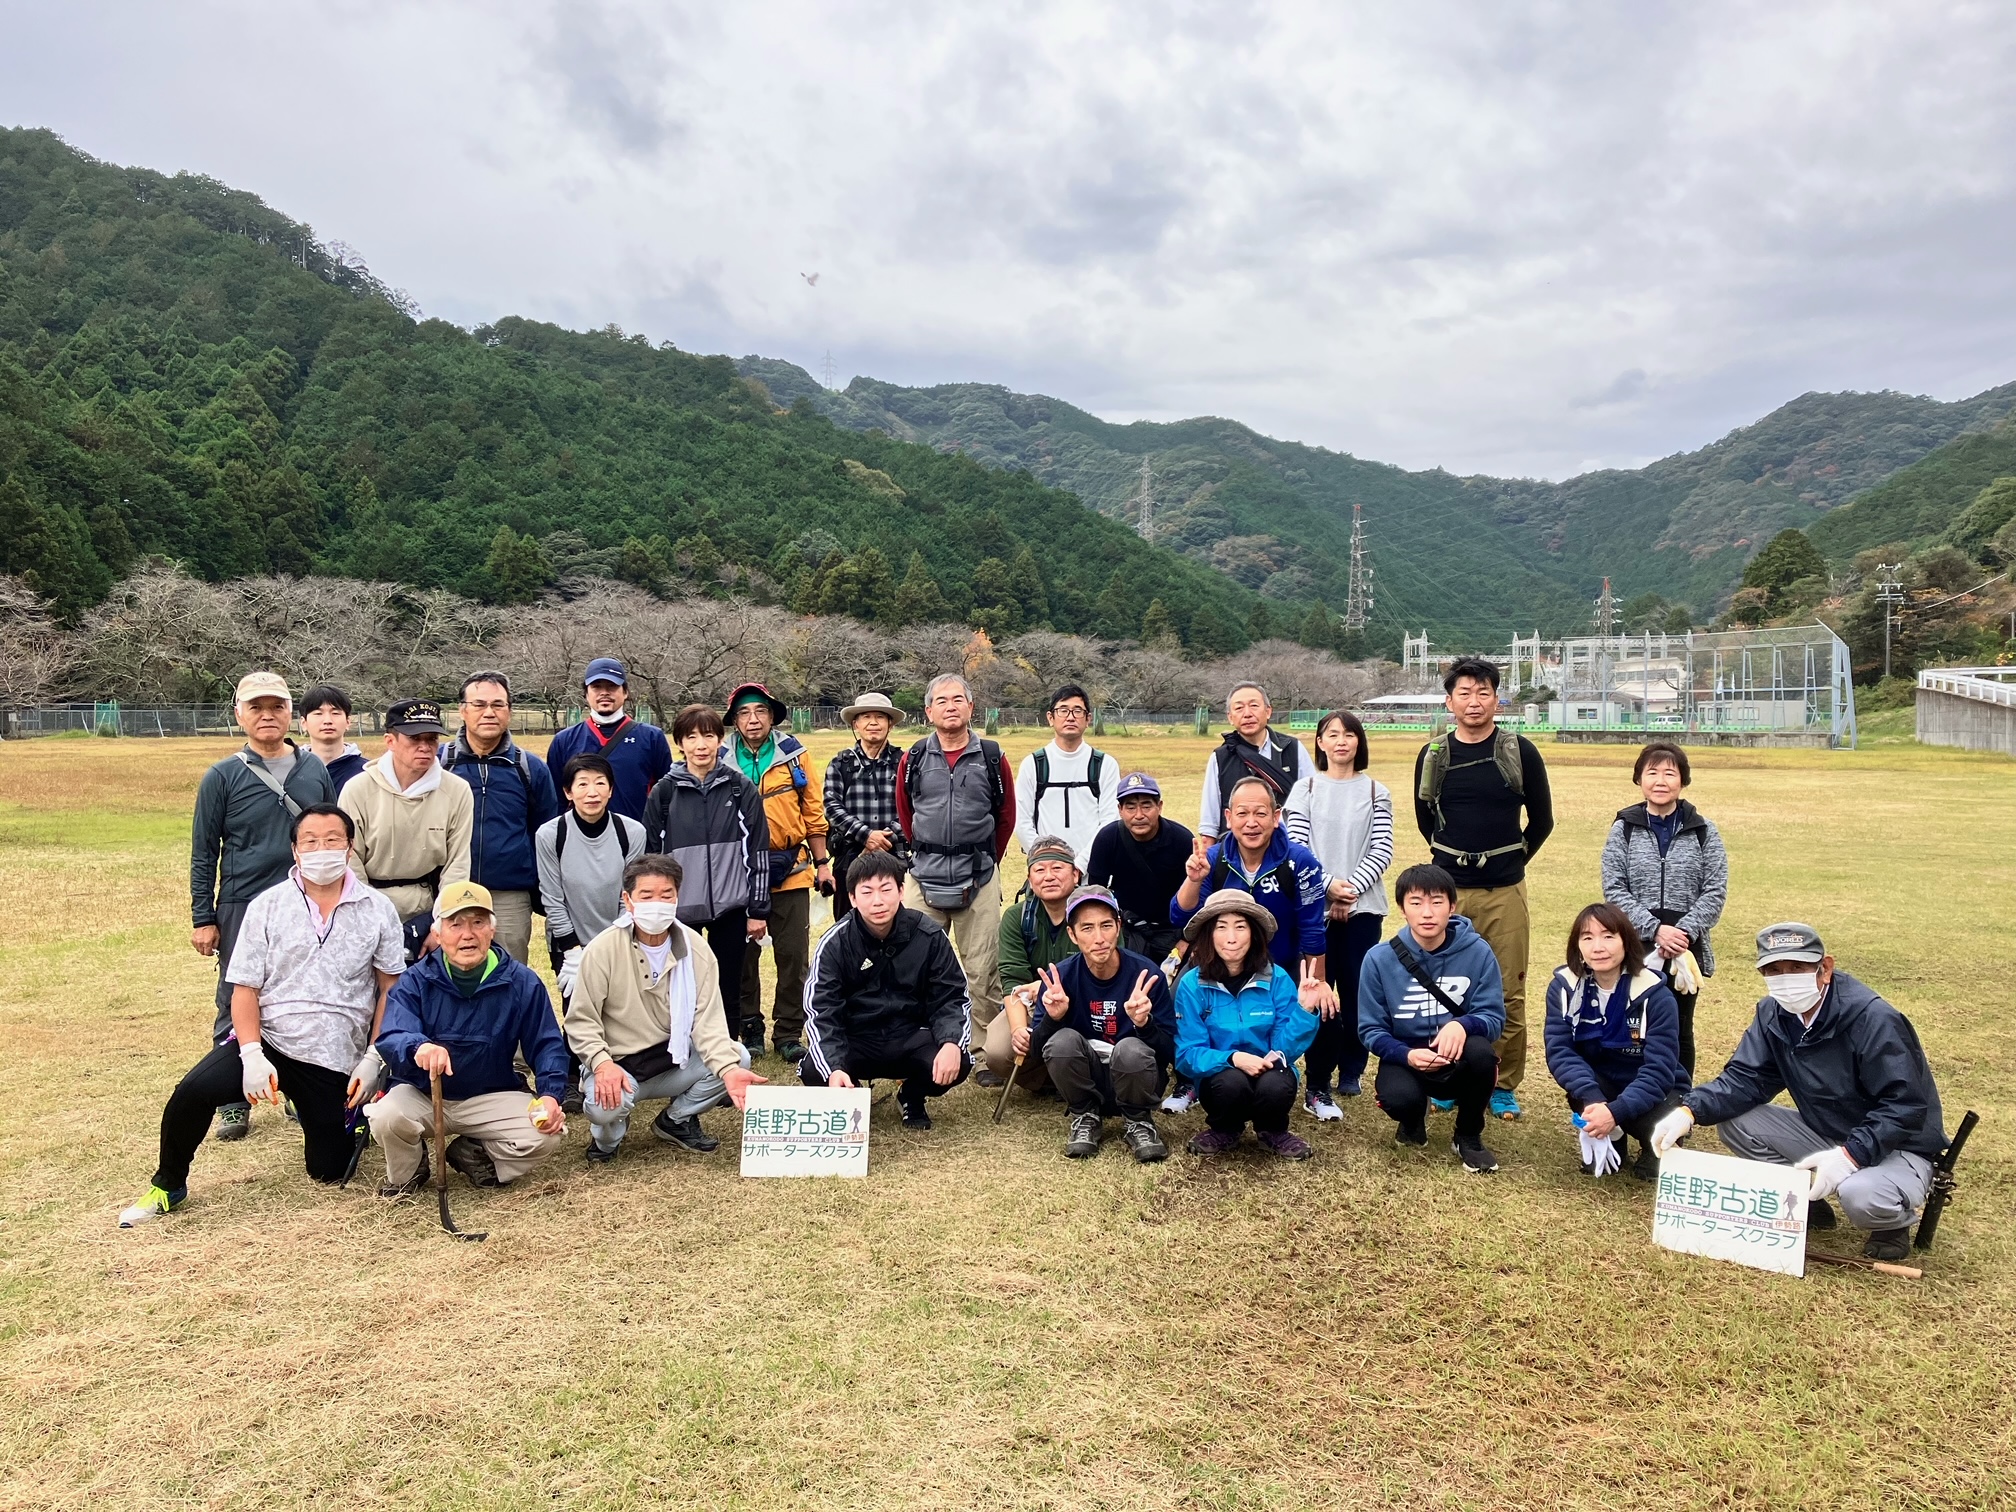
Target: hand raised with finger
(1198,866)
(1138,1004)
(1312,991)
(1056,1001)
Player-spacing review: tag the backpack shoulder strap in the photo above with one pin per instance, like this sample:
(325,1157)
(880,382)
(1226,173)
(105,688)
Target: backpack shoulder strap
(915,755)
(991,753)
(1041,762)
(273,783)
(1092,771)
(560,834)
(1511,766)
(1413,967)
(1029,926)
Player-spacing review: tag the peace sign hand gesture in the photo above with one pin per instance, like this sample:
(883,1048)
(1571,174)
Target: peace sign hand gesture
(1056,1001)
(1314,993)
(1198,866)
(1137,1005)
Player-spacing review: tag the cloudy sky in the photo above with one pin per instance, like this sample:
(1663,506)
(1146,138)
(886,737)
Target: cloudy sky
(1516,238)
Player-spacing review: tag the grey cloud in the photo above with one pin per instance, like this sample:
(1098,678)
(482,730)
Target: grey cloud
(613,71)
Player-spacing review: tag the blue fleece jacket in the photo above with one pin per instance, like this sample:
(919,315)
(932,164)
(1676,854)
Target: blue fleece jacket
(1211,1024)
(1620,1048)
(509,1013)
(1397,1014)
(1288,883)
(639,753)
(512,801)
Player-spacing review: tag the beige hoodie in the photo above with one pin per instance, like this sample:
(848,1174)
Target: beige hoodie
(406,836)
(613,1013)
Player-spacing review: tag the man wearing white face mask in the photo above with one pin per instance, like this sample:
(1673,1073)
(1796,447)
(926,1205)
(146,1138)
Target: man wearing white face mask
(1867,1122)
(646,1020)
(315,958)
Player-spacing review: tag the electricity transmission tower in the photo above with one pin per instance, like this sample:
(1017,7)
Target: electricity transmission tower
(826,372)
(1146,523)
(1606,611)
(1358,597)
(1889,593)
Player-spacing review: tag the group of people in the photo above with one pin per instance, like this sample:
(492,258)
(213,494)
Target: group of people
(372,921)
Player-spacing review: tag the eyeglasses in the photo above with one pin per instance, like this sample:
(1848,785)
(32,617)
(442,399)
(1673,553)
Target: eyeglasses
(1071,711)
(488,706)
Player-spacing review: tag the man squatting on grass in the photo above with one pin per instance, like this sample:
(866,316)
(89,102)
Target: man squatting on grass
(315,958)
(1865,1116)
(1033,935)
(646,1020)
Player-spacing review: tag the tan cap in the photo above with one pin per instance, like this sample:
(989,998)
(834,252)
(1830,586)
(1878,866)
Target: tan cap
(264,685)
(460,897)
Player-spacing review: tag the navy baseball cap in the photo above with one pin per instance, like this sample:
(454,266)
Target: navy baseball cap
(1139,785)
(605,669)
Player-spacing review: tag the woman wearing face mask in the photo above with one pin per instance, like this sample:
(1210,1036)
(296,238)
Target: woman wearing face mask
(1665,867)
(1613,1041)
(710,818)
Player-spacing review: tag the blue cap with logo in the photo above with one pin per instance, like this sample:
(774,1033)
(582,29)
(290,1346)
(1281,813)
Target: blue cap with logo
(605,669)
(1139,785)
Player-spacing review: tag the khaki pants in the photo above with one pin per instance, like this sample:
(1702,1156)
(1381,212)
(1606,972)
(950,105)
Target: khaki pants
(499,1121)
(1000,1056)
(790,935)
(513,912)
(1499,914)
(975,931)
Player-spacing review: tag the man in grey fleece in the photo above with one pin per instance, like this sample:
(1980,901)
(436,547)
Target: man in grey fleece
(240,839)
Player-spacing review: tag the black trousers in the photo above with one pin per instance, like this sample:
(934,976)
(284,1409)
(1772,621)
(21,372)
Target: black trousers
(217,1081)
(728,938)
(1336,1050)
(1686,1002)
(1639,1128)
(1232,1099)
(1404,1092)
(904,1058)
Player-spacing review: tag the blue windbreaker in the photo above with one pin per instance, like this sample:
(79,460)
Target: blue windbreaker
(639,753)
(1211,1024)
(1288,884)
(1622,1048)
(512,801)
(1397,1014)
(508,1014)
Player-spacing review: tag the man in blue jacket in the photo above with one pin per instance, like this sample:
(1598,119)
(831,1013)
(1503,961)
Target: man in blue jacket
(1865,1116)
(1430,1002)
(514,796)
(639,752)
(1107,1033)
(466,1010)
(1255,855)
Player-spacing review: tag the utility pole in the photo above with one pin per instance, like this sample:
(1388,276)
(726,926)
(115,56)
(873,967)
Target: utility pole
(1889,593)
(1358,597)
(1146,524)
(1414,653)
(1606,611)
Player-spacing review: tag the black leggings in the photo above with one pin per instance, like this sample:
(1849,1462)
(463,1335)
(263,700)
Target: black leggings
(728,938)
(1336,1050)
(1231,1099)
(1404,1092)
(217,1080)
(1686,1002)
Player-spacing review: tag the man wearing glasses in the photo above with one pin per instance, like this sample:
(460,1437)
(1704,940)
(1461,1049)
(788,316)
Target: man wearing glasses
(1066,788)
(514,796)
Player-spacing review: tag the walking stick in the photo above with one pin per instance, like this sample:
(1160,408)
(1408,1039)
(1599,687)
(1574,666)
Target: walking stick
(1007,1087)
(441,1162)
(1859,1262)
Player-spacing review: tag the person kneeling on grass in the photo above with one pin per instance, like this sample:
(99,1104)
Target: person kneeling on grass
(1241,1022)
(1613,1040)
(1430,1002)
(1107,1031)
(1865,1116)
(466,1010)
(886,997)
(646,1020)
(314,959)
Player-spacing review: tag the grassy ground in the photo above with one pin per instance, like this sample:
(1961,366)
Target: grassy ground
(979,1323)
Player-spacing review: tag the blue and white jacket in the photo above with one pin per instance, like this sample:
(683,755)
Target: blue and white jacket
(1397,1014)
(1211,1023)
(1288,883)
(1621,1048)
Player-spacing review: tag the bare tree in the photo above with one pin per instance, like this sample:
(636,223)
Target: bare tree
(1151,679)
(35,651)
(161,635)
(1294,676)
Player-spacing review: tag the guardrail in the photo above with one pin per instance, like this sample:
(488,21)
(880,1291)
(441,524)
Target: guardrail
(1991,685)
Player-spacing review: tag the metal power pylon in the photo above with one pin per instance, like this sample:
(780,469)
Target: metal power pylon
(1146,523)
(1358,596)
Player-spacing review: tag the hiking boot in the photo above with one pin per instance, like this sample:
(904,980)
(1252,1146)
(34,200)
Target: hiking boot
(1281,1142)
(1182,1097)
(421,1174)
(1891,1244)
(985,1077)
(1412,1132)
(599,1156)
(1477,1160)
(287,1107)
(1442,1104)
(752,1035)
(911,1106)
(1320,1106)
(1351,1088)
(234,1121)
(684,1132)
(156,1204)
(470,1158)
(1646,1166)
(571,1104)
(1213,1142)
(1504,1105)
(1085,1129)
(1820,1216)
(791,1050)
(1143,1141)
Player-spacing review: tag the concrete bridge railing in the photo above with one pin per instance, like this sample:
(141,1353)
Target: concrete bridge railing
(1972,707)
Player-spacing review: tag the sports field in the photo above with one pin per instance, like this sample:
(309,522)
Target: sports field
(981,1324)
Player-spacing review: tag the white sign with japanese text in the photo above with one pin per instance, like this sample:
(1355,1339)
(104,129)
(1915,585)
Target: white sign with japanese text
(805,1131)
(1748,1211)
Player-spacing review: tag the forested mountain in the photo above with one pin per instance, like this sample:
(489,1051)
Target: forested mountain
(185,372)
(1277,515)
(1926,502)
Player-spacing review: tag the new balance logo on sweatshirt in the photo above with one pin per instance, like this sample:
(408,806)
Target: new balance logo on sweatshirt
(1417,1002)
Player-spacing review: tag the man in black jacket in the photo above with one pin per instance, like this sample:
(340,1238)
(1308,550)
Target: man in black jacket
(886,997)
(1470,784)
(1865,1117)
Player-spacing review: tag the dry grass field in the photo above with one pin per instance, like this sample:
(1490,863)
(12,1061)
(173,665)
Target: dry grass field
(981,1324)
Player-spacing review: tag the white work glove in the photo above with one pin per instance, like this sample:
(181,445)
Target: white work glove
(570,970)
(1671,1129)
(1684,973)
(261,1082)
(369,1076)
(1830,1167)
(1599,1153)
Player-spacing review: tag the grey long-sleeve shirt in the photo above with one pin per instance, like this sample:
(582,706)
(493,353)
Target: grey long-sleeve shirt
(581,882)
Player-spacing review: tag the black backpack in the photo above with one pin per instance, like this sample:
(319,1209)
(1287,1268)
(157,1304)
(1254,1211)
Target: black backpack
(1044,784)
(990,752)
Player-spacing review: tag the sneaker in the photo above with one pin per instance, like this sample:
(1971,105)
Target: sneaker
(684,1132)
(1142,1139)
(287,1107)
(1442,1104)
(599,1156)
(571,1104)
(791,1050)
(422,1173)
(1351,1088)
(1213,1142)
(1181,1099)
(752,1035)
(1891,1244)
(1287,1146)
(1085,1129)
(1820,1215)
(156,1204)
(1504,1105)
(1477,1160)
(985,1077)
(1646,1166)
(234,1121)
(915,1116)
(470,1158)
(1412,1133)
(1320,1106)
